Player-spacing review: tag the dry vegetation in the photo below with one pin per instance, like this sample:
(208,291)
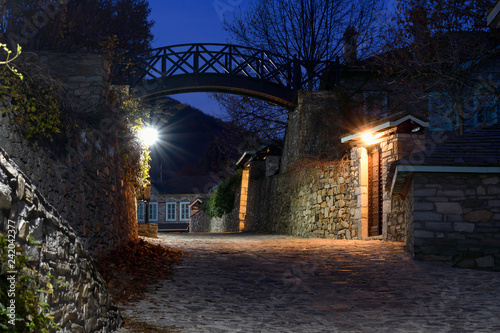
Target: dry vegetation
(131,269)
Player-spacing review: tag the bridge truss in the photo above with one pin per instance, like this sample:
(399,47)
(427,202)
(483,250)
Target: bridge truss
(218,68)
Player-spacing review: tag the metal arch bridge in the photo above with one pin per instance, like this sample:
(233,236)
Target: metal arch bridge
(218,68)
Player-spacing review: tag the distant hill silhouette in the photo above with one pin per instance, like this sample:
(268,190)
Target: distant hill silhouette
(192,142)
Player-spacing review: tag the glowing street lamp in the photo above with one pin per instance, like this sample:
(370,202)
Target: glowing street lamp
(149,135)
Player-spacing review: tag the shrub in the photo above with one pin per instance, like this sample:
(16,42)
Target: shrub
(222,201)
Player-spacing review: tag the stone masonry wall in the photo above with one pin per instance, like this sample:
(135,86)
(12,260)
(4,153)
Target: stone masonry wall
(82,175)
(320,202)
(396,147)
(82,303)
(457,219)
(83,179)
(202,222)
(83,76)
(313,129)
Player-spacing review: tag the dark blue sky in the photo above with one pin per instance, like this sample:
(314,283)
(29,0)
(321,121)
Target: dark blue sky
(194,21)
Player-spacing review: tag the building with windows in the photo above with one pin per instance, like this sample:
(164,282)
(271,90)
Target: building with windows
(171,201)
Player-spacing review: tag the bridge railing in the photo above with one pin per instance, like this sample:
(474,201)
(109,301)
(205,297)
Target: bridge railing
(193,59)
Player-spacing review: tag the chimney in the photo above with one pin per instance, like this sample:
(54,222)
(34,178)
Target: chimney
(350,45)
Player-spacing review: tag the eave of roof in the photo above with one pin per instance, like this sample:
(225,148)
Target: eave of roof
(246,155)
(403,170)
(493,17)
(383,126)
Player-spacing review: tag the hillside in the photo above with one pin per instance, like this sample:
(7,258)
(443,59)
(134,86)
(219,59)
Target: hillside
(191,142)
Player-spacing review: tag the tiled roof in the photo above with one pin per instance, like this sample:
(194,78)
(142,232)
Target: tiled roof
(186,185)
(480,147)
(447,152)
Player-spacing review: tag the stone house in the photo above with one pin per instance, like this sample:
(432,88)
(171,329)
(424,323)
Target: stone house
(451,198)
(399,174)
(171,203)
(399,181)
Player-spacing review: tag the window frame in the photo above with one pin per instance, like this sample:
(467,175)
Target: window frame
(181,211)
(485,101)
(167,205)
(153,204)
(438,121)
(369,98)
(141,207)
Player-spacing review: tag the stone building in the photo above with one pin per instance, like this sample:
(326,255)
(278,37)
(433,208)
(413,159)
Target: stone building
(451,195)
(170,206)
(365,160)
(399,180)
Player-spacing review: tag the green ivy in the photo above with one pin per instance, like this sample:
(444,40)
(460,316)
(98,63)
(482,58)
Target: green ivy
(32,105)
(222,200)
(31,308)
(9,59)
(136,156)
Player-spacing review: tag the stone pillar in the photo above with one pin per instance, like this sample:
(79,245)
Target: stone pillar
(272,165)
(314,129)
(255,206)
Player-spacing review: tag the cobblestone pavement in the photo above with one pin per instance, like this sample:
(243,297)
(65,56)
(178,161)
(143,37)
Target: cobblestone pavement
(268,283)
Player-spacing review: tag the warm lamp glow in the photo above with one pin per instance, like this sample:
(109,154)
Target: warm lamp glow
(370,138)
(149,135)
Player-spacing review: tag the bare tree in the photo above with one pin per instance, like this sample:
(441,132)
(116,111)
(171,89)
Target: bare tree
(314,32)
(311,30)
(446,53)
(254,116)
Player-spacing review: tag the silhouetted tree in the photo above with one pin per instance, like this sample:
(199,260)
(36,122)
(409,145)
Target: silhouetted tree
(313,31)
(446,53)
(254,116)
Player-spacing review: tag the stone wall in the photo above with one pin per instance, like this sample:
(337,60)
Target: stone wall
(313,129)
(82,303)
(202,222)
(395,212)
(84,179)
(457,219)
(83,76)
(316,201)
(82,172)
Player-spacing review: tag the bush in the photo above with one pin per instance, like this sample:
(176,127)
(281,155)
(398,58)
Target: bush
(222,201)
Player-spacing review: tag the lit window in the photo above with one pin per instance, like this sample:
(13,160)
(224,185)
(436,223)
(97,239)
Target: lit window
(153,211)
(171,216)
(140,211)
(185,211)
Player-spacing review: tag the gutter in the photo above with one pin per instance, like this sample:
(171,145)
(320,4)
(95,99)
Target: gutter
(403,169)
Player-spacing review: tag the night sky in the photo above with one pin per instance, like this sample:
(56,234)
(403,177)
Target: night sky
(194,21)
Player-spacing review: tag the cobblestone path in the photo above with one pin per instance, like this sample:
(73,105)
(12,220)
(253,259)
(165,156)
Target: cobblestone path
(268,283)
